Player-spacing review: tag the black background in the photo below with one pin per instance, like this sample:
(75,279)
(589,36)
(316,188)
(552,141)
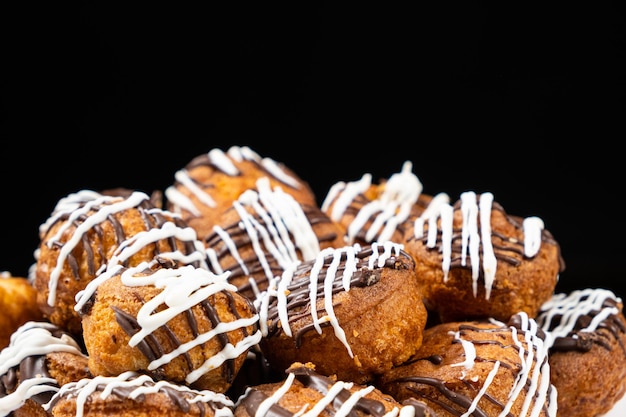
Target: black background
(525,101)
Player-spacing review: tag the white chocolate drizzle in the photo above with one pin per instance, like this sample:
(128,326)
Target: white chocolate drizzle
(476,235)
(388,211)
(338,398)
(136,386)
(71,207)
(32,339)
(182,288)
(283,227)
(346,256)
(566,309)
(533,376)
(223,162)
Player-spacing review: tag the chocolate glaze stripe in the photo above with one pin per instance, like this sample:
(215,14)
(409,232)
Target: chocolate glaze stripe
(532,374)
(168,231)
(388,211)
(133,386)
(35,338)
(195,254)
(27,389)
(333,270)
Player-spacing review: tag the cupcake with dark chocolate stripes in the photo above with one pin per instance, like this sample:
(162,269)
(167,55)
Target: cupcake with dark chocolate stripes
(306,391)
(587,332)
(353,311)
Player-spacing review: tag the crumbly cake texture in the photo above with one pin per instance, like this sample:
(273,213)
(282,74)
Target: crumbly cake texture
(587,350)
(236,287)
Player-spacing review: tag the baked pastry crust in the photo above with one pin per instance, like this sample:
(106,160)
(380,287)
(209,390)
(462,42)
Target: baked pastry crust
(87,230)
(136,395)
(354,312)
(375,212)
(186,325)
(306,390)
(265,232)
(40,358)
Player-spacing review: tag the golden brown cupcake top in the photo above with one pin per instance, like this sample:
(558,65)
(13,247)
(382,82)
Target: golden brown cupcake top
(185,322)
(477,233)
(88,230)
(482,368)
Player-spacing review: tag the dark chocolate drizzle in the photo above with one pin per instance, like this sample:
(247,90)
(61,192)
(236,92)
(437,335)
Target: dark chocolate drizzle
(35,366)
(184,400)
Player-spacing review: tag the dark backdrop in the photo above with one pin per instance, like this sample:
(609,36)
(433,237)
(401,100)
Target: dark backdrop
(524,101)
